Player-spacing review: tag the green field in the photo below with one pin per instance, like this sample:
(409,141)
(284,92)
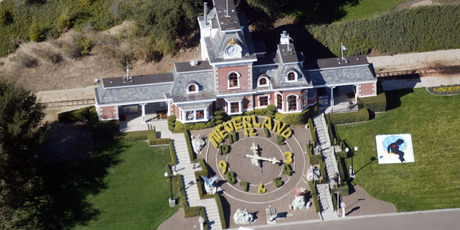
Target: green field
(369,8)
(433,180)
(136,194)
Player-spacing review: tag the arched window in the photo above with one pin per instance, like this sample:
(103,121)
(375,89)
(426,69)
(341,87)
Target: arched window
(292,76)
(292,102)
(192,88)
(279,101)
(233,80)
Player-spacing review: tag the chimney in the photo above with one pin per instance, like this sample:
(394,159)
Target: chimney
(205,5)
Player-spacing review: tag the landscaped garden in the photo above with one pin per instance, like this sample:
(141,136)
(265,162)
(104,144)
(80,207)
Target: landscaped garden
(432,181)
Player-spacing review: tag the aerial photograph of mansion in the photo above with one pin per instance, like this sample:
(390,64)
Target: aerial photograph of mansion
(236,74)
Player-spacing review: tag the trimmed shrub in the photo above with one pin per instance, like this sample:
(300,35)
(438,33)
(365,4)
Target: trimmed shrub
(287,170)
(294,118)
(374,104)
(280,140)
(278,182)
(233,137)
(231,177)
(314,195)
(189,145)
(257,112)
(223,149)
(344,118)
(83,114)
(267,132)
(245,185)
(311,125)
(171,122)
(271,111)
(221,212)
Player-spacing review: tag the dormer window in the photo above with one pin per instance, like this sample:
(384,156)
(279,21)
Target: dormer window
(192,87)
(233,80)
(263,81)
(291,76)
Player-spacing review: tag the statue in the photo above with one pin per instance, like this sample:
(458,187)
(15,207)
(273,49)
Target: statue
(299,200)
(197,144)
(242,216)
(255,157)
(209,184)
(313,174)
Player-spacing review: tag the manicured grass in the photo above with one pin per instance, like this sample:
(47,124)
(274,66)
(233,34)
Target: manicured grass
(369,8)
(433,180)
(136,194)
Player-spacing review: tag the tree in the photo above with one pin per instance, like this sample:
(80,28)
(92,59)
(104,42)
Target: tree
(21,133)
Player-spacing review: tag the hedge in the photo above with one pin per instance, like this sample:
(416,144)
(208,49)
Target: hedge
(245,185)
(280,140)
(221,211)
(419,29)
(296,118)
(344,118)
(311,125)
(374,104)
(314,196)
(83,114)
(189,145)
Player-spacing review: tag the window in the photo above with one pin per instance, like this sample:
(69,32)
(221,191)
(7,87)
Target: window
(263,101)
(234,107)
(195,115)
(233,81)
(263,81)
(192,88)
(279,101)
(292,76)
(292,103)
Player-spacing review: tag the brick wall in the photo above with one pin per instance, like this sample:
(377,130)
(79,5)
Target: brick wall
(222,75)
(109,112)
(367,89)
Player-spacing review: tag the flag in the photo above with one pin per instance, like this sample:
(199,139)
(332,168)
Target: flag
(343,47)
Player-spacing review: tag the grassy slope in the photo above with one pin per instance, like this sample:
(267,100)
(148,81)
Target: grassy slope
(137,193)
(369,8)
(432,181)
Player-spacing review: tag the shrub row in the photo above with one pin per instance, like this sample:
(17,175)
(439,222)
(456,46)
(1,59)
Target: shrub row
(344,118)
(412,30)
(189,145)
(296,118)
(374,104)
(314,196)
(149,135)
(311,125)
(83,114)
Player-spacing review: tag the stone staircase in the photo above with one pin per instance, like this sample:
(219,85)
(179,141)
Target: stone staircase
(185,168)
(327,150)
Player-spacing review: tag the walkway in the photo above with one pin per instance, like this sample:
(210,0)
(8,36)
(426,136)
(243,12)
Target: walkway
(327,210)
(185,168)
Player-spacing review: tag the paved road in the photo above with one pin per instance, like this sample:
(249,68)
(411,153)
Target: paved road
(445,219)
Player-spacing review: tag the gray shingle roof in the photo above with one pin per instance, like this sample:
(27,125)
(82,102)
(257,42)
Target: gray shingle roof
(205,81)
(132,94)
(341,76)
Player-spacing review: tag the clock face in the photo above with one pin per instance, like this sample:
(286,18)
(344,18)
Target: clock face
(233,51)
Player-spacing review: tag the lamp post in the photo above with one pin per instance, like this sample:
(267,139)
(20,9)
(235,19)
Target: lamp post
(343,205)
(352,169)
(172,202)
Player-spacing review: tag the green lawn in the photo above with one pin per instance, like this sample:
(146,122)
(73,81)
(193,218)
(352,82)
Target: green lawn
(433,180)
(136,194)
(369,8)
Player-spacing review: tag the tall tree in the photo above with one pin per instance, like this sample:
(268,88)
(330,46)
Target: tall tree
(21,133)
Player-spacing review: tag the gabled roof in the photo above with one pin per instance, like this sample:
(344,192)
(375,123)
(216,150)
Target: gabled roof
(341,76)
(204,79)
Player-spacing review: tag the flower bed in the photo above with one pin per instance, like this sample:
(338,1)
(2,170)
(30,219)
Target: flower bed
(444,90)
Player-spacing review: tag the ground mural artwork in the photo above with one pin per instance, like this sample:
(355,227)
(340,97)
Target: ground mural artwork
(394,148)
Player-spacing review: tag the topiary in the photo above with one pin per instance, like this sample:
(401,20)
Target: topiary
(245,185)
(267,132)
(278,182)
(231,177)
(280,140)
(287,170)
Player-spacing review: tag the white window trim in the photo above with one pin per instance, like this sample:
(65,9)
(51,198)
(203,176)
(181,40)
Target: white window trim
(295,74)
(296,102)
(258,101)
(184,116)
(260,78)
(228,80)
(282,101)
(229,107)
(196,87)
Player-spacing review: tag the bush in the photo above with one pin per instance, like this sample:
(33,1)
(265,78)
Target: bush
(267,132)
(257,112)
(189,145)
(245,185)
(171,122)
(231,177)
(344,118)
(27,61)
(374,104)
(83,114)
(287,170)
(294,118)
(280,140)
(278,182)
(71,50)
(311,125)
(233,137)
(223,149)
(35,32)
(271,111)
(314,194)
(84,44)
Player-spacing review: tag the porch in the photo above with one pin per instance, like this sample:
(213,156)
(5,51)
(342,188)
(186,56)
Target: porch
(343,100)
